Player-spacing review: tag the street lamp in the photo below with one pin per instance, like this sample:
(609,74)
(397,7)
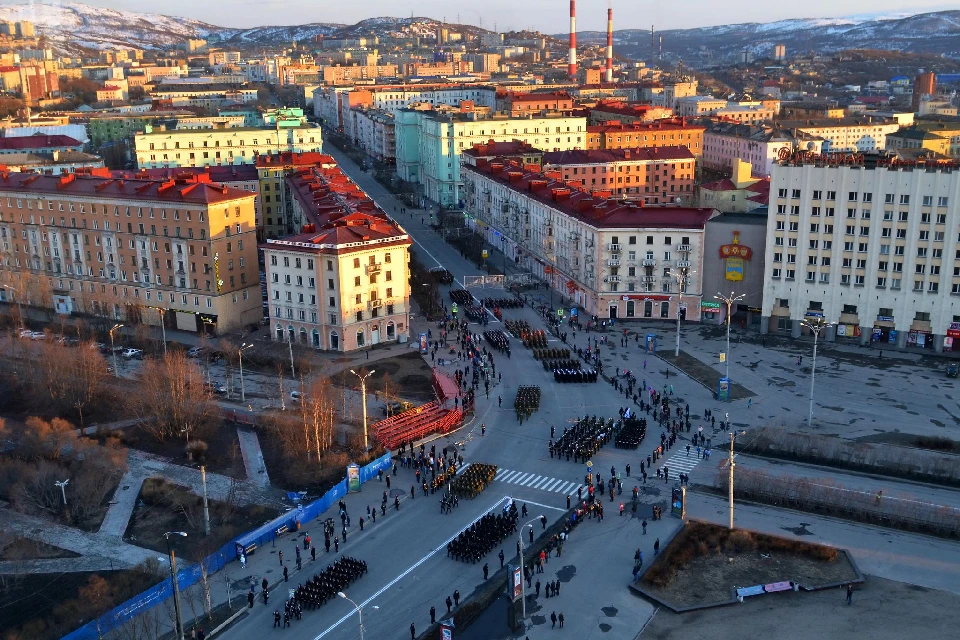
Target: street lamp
(243,347)
(357,608)
(19,304)
(733,435)
(173,578)
(815,327)
(523,596)
(681,275)
(729,300)
(113,350)
(163,328)
(63,489)
(363,391)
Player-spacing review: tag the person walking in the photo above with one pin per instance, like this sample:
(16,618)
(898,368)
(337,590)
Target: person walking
(656,547)
(456,597)
(537,588)
(433,615)
(560,618)
(250,598)
(281,557)
(449,604)
(413,632)
(849,594)
(486,570)
(500,555)
(553,619)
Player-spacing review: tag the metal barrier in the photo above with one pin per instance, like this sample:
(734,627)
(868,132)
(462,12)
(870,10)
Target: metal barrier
(190,575)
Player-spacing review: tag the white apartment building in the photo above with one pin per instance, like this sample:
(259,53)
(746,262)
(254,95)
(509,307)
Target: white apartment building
(374,132)
(692,106)
(615,259)
(429,144)
(871,248)
(726,142)
(236,145)
(846,135)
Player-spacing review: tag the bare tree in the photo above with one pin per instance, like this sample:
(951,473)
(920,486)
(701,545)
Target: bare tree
(172,398)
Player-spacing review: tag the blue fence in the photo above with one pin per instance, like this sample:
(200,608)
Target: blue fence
(189,576)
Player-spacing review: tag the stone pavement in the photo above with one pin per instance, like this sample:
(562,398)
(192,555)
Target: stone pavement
(253,458)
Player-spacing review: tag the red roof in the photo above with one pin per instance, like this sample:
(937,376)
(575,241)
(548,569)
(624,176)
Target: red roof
(598,212)
(173,191)
(494,148)
(289,158)
(339,235)
(212,173)
(38,141)
(599,156)
(674,124)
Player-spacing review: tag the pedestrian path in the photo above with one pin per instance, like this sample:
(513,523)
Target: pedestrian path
(534,481)
(680,462)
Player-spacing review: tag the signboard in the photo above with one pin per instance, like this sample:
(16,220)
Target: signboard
(453,308)
(484,254)
(734,269)
(424,347)
(710,305)
(734,256)
(890,319)
(723,390)
(678,502)
(954,330)
(723,357)
(517,583)
(650,343)
(560,312)
(353,477)
(573,313)
(446,631)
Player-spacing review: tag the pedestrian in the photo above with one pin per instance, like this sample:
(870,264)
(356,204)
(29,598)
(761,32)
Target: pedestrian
(413,629)
(264,584)
(560,618)
(250,598)
(486,570)
(243,556)
(656,547)
(433,615)
(201,635)
(849,594)
(553,619)
(568,502)
(284,574)
(456,597)
(313,553)
(500,555)
(286,619)
(688,451)
(449,604)
(281,557)
(361,523)
(537,588)
(276,618)
(499,401)
(543,521)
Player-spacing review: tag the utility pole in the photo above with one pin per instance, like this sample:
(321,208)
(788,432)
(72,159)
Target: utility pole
(681,275)
(173,578)
(63,489)
(293,372)
(113,349)
(243,393)
(729,300)
(523,595)
(206,505)
(363,391)
(733,435)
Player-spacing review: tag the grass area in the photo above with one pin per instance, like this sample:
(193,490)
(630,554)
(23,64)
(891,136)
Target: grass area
(19,548)
(223,448)
(705,562)
(703,373)
(165,506)
(409,377)
(47,606)
(933,443)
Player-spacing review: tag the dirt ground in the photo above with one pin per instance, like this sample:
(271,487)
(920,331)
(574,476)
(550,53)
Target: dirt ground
(26,549)
(410,377)
(223,452)
(712,578)
(881,610)
(704,374)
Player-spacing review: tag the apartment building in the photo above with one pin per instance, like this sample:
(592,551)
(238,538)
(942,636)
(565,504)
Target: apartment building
(627,113)
(373,131)
(347,75)
(662,133)
(133,251)
(342,284)
(943,126)
(429,144)
(518,104)
(278,216)
(515,151)
(656,176)
(846,135)
(694,106)
(615,259)
(724,143)
(872,248)
(234,145)
(331,104)
(114,127)
(915,138)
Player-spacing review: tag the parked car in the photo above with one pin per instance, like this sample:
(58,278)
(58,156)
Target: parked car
(24,333)
(38,335)
(133,353)
(296,396)
(393,408)
(215,387)
(195,352)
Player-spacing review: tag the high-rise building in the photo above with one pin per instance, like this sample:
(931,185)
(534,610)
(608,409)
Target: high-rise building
(924,84)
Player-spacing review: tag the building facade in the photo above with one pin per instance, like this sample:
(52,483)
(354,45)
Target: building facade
(724,143)
(278,215)
(615,259)
(846,135)
(127,249)
(234,145)
(662,133)
(869,247)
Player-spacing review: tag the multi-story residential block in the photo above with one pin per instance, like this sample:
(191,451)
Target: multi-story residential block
(918,138)
(347,75)
(518,104)
(740,193)
(694,106)
(429,144)
(114,127)
(331,104)
(869,247)
(234,145)
(842,135)
(515,151)
(746,113)
(662,133)
(373,131)
(655,176)
(627,113)
(39,143)
(726,142)
(279,217)
(127,249)
(53,163)
(945,127)
(615,259)
(342,284)
(209,97)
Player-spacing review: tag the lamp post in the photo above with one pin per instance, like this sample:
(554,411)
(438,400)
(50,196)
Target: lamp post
(363,392)
(523,595)
(815,327)
(293,371)
(729,300)
(173,578)
(163,328)
(357,608)
(63,489)
(681,275)
(206,504)
(733,435)
(19,304)
(243,393)
(113,350)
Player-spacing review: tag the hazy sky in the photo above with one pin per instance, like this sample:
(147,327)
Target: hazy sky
(549,16)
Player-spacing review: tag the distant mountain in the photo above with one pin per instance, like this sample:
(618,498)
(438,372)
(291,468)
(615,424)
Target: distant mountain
(937,33)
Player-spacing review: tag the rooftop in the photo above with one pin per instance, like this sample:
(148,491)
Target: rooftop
(38,141)
(596,156)
(213,173)
(493,149)
(289,158)
(76,185)
(914,133)
(756,133)
(672,124)
(597,212)
(45,159)
(833,123)
(342,233)
(325,194)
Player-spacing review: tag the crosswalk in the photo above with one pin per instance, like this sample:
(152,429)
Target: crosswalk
(535,481)
(680,462)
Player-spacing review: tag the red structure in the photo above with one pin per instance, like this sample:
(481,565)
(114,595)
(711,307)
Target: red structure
(609,66)
(572,55)
(419,422)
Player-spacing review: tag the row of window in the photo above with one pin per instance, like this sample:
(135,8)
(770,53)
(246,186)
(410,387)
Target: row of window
(301,314)
(852,196)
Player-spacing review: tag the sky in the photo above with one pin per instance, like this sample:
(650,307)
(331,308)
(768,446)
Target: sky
(548,16)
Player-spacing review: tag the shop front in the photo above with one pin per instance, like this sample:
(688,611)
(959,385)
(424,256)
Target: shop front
(884,330)
(712,312)
(848,327)
(951,342)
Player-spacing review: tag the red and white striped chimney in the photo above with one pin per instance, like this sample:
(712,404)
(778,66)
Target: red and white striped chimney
(572,58)
(609,45)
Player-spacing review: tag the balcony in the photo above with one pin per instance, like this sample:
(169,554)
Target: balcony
(613,263)
(649,262)
(683,264)
(648,278)
(613,247)
(611,279)
(374,268)
(683,247)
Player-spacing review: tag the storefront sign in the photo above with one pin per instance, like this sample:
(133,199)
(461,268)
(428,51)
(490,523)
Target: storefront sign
(734,256)
(954,330)
(517,583)
(353,477)
(884,318)
(723,390)
(841,330)
(424,347)
(813,314)
(710,305)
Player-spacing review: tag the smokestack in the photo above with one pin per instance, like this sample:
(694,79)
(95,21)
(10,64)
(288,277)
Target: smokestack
(661,47)
(572,58)
(610,44)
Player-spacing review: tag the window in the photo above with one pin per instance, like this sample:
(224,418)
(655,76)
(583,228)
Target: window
(831,195)
(942,201)
(814,228)
(928,201)
(817,195)
(904,199)
(902,217)
(795,193)
(881,282)
(858,281)
(852,196)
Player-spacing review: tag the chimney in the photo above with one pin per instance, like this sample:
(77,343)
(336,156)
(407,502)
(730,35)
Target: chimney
(572,59)
(609,44)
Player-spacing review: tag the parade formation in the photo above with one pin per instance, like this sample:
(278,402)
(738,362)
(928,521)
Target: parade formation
(325,585)
(482,536)
(473,480)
